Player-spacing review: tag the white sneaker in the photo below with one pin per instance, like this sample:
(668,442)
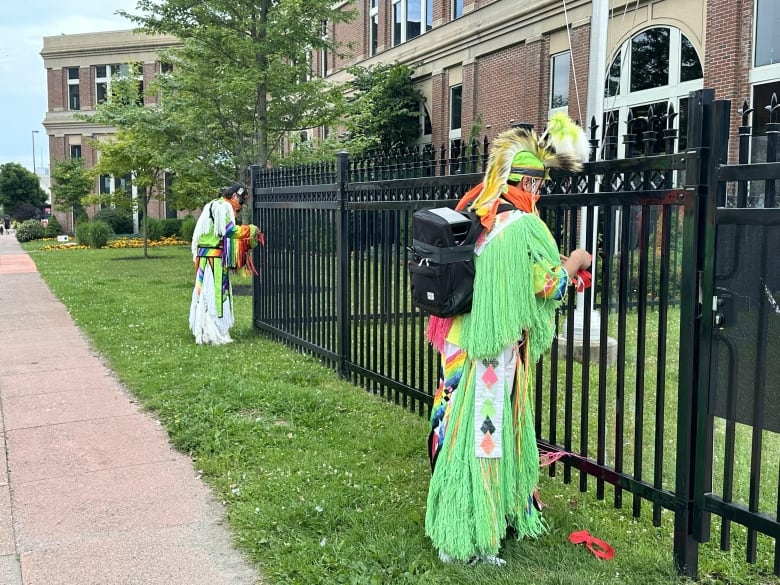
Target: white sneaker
(445,558)
(489,560)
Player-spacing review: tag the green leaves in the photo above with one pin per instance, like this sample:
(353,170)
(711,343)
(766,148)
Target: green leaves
(19,187)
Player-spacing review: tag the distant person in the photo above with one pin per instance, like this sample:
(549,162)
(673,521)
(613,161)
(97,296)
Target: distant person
(2,230)
(218,245)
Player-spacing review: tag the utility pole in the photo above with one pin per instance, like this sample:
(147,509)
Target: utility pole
(34,132)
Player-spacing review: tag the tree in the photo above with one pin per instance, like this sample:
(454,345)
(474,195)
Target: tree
(241,80)
(71,183)
(385,106)
(18,187)
(138,147)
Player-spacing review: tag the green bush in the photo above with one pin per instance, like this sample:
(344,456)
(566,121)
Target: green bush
(187,228)
(82,232)
(154,229)
(28,230)
(171,227)
(99,233)
(53,229)
(121,222)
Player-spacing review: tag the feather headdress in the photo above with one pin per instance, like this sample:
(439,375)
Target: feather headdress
(521,152)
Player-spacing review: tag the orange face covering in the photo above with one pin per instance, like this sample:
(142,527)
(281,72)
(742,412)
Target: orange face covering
(523,200)
(235,204)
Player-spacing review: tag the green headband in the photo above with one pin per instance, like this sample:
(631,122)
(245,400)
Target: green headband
(526,164)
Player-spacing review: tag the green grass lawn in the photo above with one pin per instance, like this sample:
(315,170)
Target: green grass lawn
(322,482)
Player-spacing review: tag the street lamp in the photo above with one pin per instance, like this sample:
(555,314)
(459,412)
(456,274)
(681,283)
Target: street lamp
(34,132)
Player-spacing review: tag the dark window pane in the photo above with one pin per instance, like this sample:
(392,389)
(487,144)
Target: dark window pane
(428,15)
(73,72)
(397,23)
(413,19)
(650,59)
(427,126)
(762,98)
(656,125)
(75,151)
(682,121)
(374,34)
(767,32)
(74,102)
(612,85)
(690,66)
(100,71)
(611,125)
(101,91)
(456,100)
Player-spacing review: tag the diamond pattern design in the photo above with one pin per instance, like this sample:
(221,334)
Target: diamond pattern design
(489,377)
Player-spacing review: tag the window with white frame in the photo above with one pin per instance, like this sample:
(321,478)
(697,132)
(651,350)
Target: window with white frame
(74,95)
(456,9)
(409,17)
(560,66)
(656,68)
(767,33)
(105,73)
(426,128)
(324,51)
(373,35)
(456,109)
(75,151)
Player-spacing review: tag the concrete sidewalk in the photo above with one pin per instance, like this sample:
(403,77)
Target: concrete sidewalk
(91,493)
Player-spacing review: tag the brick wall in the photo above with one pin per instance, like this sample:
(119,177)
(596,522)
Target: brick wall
(55,86)
(354,33)
(440,98)
(150,72)
(580,40)
(728,56)
(513,85)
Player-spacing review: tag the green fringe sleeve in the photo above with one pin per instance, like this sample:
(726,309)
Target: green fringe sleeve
(505,304)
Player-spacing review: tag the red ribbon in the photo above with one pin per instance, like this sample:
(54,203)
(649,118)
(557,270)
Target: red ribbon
(599,548)
(584,280)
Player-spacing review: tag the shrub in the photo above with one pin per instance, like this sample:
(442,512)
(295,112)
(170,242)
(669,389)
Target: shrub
(154,229)
(99,232)
(28,230)
(187,228)
(53,229)
(82,232)
(171,227)
(121,222)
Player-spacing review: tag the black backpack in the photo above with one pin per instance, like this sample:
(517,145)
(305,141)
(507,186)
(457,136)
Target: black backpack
(441,266)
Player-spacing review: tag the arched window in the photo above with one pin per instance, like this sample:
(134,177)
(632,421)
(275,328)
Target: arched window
(656,67)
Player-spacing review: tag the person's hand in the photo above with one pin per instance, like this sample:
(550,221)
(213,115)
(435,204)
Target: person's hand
(579,259)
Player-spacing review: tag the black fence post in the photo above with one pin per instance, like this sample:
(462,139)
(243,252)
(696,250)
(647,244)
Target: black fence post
(686,550)
(254,178)
(342,266)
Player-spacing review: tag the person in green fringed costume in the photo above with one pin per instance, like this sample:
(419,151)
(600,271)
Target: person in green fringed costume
(219,245)
(482,444)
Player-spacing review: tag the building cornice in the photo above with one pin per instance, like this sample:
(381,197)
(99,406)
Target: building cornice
(104,47)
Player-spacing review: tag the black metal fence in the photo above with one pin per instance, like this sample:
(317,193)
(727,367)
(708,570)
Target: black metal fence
(623,380)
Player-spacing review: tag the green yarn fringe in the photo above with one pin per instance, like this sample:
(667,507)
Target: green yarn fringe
(505,304)
(472,501)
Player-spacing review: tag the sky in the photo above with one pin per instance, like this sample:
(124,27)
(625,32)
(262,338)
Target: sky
(23,100)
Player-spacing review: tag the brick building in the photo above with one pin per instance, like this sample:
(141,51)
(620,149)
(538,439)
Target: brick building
(79,69)
(484,65)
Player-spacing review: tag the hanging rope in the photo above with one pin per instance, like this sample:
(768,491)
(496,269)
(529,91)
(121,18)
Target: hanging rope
(573,69)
